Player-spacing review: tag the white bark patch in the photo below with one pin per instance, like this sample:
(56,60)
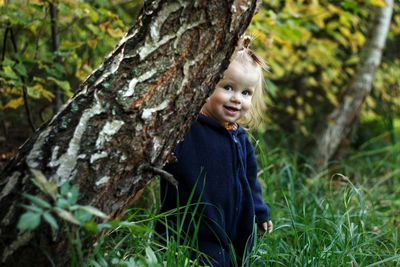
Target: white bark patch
(54,158)
(157,145)
(33,159)
(148,112)
(149,48)
(243,7)
(186,74)
(12,181)
(123,158)
(102,181)
(68,160)
(161,18)
(97,156)
(132,84)
(106,134)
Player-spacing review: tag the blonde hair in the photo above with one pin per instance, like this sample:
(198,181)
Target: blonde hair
(244,54)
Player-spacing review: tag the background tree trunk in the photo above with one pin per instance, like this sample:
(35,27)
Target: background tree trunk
(340,121)
(128,114)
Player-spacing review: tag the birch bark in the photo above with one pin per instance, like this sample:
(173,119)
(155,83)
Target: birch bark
(128,114)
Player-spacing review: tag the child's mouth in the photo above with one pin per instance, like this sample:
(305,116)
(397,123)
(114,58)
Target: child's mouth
(231,110)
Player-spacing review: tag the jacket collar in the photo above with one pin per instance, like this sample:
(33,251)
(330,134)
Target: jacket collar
(213,123)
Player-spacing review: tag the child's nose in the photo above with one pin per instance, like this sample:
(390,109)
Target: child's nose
(236,98)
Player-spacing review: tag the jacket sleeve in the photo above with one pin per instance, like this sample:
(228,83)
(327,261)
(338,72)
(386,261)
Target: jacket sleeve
(262,210)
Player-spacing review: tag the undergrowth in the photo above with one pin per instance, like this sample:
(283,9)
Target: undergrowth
(346,216)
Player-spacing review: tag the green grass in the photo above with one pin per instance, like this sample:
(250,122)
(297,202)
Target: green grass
(346,216)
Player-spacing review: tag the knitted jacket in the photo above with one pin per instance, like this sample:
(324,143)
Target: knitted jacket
(215,168)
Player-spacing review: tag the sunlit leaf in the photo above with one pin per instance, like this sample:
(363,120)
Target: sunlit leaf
(64,85)
(116,33)
(380,3)
(47,186)
(66,215)
(9,73)
(94,211)
(15,103)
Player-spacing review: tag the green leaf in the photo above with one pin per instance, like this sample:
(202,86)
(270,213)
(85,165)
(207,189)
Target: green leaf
(94,211)
(9,73)
(64,189)
(37,201)
(50,220)
(91,226)
(29,221)
(21,69)
(82,216)
(64,85)
(32,208)
(72,195)
(62,203)
(8,62)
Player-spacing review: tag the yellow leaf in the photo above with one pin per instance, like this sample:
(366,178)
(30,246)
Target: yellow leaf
(299,100)
(92,43)
(289,93)
(300,115)
(332,98)
(380,3)
(290,110)
(15,103)
(345,31)
(116,33)
(304,130)
(309,109)
(70,44)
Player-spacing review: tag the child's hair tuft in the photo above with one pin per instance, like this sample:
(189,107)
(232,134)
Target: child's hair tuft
(244,54)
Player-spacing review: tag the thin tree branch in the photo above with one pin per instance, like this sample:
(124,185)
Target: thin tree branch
(3,54)
(24,91)
(55,44)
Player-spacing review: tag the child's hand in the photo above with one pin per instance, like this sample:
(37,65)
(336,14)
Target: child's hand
(266,227)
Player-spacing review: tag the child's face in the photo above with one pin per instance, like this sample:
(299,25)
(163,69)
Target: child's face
(231,99)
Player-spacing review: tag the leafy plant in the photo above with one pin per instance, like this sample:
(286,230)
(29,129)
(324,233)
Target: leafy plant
(63,205)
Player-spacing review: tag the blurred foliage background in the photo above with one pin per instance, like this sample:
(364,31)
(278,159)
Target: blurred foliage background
(311,46)
(32,70)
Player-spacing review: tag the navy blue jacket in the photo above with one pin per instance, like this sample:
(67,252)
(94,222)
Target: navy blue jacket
(220,168)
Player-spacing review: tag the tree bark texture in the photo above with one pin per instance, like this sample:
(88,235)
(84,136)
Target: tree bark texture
(339,121)
(125,119)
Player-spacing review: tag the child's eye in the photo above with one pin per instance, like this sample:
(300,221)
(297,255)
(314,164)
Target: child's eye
(228,88)
(247,92)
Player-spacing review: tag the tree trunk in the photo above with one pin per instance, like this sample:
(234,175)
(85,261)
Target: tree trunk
(125,119)
(339,121)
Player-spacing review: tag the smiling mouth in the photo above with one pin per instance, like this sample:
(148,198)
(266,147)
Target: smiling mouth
(231,109)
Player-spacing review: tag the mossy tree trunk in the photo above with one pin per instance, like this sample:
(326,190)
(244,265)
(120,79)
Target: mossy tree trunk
(128,115)
(340,121)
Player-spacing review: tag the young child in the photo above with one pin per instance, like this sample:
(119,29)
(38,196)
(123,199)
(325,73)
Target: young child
(218,197)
